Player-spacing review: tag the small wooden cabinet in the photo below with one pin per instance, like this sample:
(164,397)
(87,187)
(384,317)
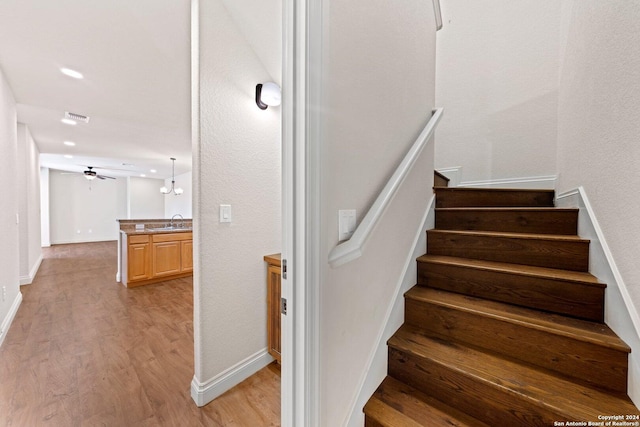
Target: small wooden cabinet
(152,258)
(273,305)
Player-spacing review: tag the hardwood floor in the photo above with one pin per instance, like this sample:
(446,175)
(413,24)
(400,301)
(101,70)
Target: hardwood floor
(83,350)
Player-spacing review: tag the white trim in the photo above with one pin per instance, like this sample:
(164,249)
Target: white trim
(376,365)
(621,314)
(203,393)
(453,173)
(27,280)
(301,124)
(6,322)
(532,182)
(352,248)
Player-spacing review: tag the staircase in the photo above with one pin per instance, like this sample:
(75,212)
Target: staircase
(505,325)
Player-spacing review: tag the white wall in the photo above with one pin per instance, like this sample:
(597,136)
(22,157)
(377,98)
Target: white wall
(45,215)
(89,206)
(144,199)
(9,253)
(28,183)
(183,203)
(236,161)
(497,78)
(379,94)
(598,126)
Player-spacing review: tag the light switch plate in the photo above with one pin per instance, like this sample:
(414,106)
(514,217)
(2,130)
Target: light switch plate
(225,213)
(346,223)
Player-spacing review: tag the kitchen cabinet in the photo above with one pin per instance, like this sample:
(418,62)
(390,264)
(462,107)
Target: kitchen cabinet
(138,258)
(186,247)
(273,305)
(152,258)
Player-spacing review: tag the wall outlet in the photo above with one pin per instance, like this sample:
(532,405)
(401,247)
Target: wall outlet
(4,293)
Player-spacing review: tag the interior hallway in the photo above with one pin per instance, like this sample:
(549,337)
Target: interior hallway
(84,350)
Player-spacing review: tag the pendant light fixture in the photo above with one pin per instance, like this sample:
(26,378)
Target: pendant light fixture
(177,191)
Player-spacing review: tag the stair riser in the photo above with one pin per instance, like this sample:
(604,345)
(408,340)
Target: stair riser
(585,362)
(564,254)
(440,180)
(569,298)
(454,198)
(536,222)
(484,401)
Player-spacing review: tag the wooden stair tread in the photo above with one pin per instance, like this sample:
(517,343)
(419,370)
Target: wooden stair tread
(523,270)
(575,401)
(496,190)
(508,235)
(506,209)
(582,330)
(465,196)
(397,404)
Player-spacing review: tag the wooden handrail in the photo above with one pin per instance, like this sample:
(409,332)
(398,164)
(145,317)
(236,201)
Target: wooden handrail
(352,249)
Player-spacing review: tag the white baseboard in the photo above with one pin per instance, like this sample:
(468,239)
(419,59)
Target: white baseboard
(27,280)
(203,393)
(621,314)
(6,322)
(376,366)
(532,182)
(453,173)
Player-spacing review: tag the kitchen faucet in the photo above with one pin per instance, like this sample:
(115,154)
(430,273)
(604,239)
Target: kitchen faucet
(181,220)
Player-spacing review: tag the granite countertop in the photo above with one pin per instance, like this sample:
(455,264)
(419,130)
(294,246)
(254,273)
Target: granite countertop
(155,226)
(148,231)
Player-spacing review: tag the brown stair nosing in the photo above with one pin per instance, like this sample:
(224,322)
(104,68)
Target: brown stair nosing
(407,403)
(577,401)
(576,329)
(511,235)
(385,415)
(497,190)
(508,209)
(518,269)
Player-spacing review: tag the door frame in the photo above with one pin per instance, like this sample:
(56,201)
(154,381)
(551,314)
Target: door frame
(301,89)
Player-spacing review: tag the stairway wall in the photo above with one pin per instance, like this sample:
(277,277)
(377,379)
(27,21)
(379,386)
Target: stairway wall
(378,94)
(597,122)
(497,79)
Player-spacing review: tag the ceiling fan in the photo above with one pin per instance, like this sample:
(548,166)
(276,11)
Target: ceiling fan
(91,174)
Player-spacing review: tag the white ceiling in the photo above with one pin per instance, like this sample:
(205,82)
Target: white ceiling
(135,57)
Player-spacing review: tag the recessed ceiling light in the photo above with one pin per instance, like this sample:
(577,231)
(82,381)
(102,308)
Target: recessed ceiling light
(69,122)
(153,171)
(71,73)
(143,175)
(70,143)
(68,156)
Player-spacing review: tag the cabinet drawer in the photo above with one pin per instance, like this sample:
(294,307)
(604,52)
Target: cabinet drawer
(171,237)
(143,238)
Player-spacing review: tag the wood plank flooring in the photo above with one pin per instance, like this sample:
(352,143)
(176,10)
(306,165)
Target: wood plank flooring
(84,351)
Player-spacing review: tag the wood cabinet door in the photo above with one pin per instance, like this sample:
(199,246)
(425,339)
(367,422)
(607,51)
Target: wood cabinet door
(187,255)
(166,258)
(273,309)
(138,262)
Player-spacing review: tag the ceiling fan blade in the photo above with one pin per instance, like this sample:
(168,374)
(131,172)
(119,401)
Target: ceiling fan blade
(105,176)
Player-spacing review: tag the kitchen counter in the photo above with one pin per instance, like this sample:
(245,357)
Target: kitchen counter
(151,254)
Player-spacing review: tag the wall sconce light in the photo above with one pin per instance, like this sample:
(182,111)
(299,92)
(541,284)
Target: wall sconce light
(267,94)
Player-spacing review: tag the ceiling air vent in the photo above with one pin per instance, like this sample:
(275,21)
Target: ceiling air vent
(77,117)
